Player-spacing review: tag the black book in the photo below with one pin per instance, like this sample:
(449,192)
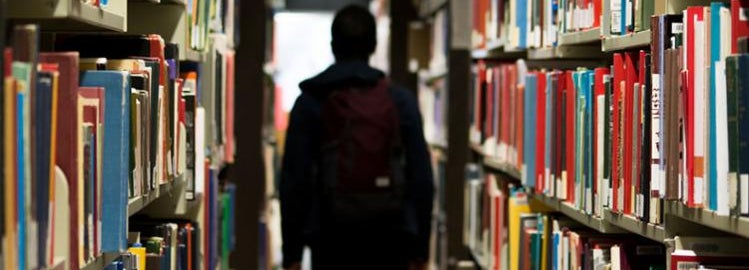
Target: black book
(646,153)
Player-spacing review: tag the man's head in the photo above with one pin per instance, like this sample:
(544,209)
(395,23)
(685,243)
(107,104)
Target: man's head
(354,34)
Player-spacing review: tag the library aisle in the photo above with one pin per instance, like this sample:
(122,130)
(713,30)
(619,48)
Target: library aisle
(563,134)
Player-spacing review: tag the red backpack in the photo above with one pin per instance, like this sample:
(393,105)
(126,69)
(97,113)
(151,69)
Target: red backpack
(362,166)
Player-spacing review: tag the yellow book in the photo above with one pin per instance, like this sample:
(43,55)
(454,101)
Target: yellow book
(140,253)
(517,205)
(52,171)
(545,242)
(10,241)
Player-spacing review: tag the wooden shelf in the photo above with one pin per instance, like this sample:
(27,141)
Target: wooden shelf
(477,261)
(102,261)
(580,37)
(175,2)
(730,224)
(542,53)
(495,49)
(429,7)
(146,1)
(495,165)
(567,52)
(191,55)
(135,205)
(70,15)
(504,168)
(629,41)
(629,223)
(590,221)
(174,26)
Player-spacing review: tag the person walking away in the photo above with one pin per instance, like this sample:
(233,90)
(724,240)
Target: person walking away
(356,180)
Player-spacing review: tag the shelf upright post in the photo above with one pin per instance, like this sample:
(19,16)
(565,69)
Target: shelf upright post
(248,171)
(459,66)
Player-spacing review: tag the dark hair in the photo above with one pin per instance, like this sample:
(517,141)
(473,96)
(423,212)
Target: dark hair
(354,33)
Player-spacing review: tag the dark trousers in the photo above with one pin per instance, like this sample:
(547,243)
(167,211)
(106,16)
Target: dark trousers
(362,250)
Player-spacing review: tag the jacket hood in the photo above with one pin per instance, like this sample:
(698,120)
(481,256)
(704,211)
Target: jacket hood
(343,74)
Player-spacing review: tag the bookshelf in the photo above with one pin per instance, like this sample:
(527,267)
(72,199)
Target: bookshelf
(149,184)
(71,15)
(653,219)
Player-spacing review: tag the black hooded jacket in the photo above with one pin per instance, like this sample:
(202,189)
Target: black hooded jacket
(303,141)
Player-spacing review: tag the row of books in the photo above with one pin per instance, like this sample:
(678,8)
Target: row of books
(629,16)
(506,229)
(433,107)
(212,16)
(537,23)
(653,126)
(157,244)
(100,121)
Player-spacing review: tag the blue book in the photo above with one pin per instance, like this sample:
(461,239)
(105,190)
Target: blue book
(522,22)
(624,23)
(116,265)
(715,56)
(22,73)
(743,116)
(43,128)
(577,82)
(116,155)
(529,131)
(586,145)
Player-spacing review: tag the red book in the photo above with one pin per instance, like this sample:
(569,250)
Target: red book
(490,89)
(157,51)
(558,112)
(570,136)
(516,114)
(519,122)
(67,149)
(597,13)
(229,151)
(93,115)
(499,221)
(694,14)
(616,119)
(599,90)
(505,127)
(540,129)
(630,69)
(739,23)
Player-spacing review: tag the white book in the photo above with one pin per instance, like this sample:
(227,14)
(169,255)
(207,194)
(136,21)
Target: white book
(616,258)
(601,126)
(61,223)
(200,151)
(721,133)
(616,16)
(700,113)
